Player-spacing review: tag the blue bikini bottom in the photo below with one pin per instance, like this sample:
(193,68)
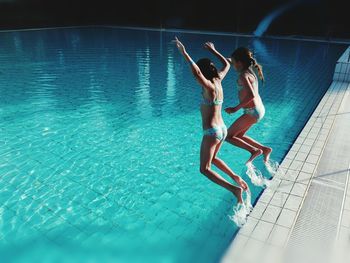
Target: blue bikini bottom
(219,132)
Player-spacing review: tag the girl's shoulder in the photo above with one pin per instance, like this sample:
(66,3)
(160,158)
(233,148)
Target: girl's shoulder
(247,75)
(243,76)
(210,86)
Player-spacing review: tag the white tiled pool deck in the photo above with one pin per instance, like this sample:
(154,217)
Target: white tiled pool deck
(305,215)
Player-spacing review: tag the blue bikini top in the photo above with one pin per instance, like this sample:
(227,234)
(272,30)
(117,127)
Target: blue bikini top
(213,102)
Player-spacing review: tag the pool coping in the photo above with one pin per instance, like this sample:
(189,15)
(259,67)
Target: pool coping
(194,31)
(270,225)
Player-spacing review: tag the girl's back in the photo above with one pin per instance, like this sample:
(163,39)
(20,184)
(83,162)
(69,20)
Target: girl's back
(211,108)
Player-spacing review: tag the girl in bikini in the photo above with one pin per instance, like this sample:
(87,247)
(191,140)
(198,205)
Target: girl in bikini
(250,101)
(214,129)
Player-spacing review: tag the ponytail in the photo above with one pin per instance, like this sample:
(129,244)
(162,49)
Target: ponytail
(258,67)
(244,55)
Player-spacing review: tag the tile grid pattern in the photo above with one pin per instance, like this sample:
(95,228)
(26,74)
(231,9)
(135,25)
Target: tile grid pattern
(319,221)
(342,248)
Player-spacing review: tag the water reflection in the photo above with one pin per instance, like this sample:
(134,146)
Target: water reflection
(142,93)
(171,78)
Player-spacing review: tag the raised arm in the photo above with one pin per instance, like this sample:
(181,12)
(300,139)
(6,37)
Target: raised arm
(194,68)
(225,64)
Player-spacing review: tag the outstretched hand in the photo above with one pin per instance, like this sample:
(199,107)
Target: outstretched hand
(209,45)
(179,45)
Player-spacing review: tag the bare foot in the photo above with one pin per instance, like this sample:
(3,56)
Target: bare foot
(267,151)
(237,191)
(255,154)
(241,183)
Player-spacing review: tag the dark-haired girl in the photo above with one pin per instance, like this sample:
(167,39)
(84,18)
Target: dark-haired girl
(214,129)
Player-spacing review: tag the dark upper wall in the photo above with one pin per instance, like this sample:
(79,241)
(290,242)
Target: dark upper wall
(310,18)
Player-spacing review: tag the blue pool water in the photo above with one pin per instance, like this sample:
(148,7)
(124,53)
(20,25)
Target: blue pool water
(99,141)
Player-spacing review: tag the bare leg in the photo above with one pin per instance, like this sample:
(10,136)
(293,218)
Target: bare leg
(224,167)
(208,147)
(266,150)
(242,124)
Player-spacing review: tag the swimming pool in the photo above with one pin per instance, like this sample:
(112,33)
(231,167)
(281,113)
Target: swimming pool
(99,141)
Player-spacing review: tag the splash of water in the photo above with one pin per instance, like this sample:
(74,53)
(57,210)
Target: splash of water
(248,201)
(256,176)
(272,167)
(242,210)
(276,171)
(239,215)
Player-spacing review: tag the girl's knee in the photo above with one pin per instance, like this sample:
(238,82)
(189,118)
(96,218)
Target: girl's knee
(203,169)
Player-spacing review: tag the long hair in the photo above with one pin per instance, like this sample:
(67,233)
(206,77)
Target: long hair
(245,56)
(207,68)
